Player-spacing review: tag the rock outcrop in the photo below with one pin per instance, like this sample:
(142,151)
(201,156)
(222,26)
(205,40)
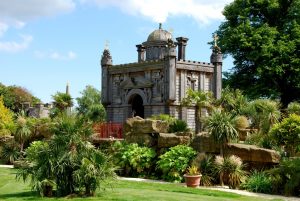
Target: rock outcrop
(166,140)
(203,142)
(252,153)
(153,133)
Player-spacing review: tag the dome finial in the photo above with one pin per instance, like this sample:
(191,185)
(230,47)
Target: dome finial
(160,25)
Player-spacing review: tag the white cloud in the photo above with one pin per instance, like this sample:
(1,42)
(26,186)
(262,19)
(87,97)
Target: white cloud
(20,10)
(56,55)
(203,11)
(13,46)
(3,28)
(16,13)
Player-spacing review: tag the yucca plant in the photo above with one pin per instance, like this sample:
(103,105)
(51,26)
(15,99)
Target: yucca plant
(221,125)
(207,167)
(230,170)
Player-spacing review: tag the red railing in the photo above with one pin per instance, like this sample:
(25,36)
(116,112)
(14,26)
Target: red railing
(109,130)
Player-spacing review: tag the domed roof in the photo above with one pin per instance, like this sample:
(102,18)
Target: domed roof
(159,35)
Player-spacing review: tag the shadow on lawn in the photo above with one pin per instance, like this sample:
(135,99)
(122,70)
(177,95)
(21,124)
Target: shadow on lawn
(28,195)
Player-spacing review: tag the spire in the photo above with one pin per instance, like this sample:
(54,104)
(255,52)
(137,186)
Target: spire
(160,25)
(67,89)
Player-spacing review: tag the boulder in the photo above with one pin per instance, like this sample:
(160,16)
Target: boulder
(148,140)
(143,126)
(166,140)
(203,142)
(252,153)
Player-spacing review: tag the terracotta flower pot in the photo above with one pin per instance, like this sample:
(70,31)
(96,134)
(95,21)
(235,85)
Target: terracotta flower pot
(192,181)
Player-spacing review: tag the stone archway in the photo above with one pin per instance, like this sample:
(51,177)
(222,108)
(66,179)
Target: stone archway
(137,106)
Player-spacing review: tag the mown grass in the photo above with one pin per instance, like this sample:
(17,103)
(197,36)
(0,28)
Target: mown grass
(13,190)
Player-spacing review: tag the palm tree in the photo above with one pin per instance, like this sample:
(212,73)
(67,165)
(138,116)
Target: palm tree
(67,160)
(263,113)
(62,101)
(232,101)
(201,100)
(220,126)
(23,130)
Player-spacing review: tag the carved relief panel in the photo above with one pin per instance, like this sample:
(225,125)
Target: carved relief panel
(158,87)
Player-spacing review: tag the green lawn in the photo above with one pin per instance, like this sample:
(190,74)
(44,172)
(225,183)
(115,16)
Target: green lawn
(10,189)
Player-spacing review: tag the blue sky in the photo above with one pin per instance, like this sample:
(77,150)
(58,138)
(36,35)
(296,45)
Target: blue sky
(46,43)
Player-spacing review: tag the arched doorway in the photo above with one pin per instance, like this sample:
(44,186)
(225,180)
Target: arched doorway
(137,106)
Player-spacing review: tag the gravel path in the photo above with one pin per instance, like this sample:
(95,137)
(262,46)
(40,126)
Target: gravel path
(6,166)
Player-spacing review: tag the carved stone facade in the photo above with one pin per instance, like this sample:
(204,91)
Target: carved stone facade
(158,82)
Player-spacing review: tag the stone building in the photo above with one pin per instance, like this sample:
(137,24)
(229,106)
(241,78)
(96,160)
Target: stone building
(158,81)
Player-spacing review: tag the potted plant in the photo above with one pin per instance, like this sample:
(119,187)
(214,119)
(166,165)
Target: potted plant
(192,177)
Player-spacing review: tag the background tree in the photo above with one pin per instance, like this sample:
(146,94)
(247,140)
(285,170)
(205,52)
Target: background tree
(263,37)
(15,96)
(89,104)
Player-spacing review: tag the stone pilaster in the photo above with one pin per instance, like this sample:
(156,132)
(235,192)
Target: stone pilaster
(106,63)
(216,59)
(170,73)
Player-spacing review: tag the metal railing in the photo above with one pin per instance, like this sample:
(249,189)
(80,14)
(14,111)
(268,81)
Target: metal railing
(109,130)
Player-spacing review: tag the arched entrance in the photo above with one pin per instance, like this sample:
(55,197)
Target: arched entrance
(136,102)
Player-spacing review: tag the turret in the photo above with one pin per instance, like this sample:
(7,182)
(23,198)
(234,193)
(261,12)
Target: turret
(106,63)
(216,59)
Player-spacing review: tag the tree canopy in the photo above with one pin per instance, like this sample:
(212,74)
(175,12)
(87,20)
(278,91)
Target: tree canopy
(15,96)
(89,104)
(263,37)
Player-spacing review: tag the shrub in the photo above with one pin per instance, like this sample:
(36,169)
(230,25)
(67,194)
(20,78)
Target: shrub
(287,132)
(174,162)
(135,160)
(10,152)
(293,108)
(286,177)
(258,182)
(230,170)
(178,126)
(163,117)
(241,122)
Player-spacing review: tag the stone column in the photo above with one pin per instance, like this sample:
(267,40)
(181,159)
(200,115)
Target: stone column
(141,52)
(181,42)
